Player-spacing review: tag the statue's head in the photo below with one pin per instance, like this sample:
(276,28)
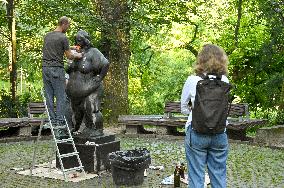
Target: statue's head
(82,38)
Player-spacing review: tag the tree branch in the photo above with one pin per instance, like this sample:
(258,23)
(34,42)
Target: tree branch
(141,69)
(237,28)
(188,45)
(149,59)
(144,49)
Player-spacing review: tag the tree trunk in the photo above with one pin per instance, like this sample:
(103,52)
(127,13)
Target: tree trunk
(115,38)
(281,106)
(237,28)
(12,50)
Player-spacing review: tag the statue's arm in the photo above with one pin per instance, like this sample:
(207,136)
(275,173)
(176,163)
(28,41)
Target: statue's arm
(103,64)
(104,70)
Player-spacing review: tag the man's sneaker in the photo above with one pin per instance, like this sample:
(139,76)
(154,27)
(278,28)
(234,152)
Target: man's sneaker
(56,134)
(60,131)
(63,133)
(59,134)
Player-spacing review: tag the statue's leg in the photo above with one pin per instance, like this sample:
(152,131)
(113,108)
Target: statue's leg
(78,113)
(93,116)
(68,113)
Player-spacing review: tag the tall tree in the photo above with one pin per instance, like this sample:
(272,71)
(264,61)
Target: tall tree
(13,49)
(115,38)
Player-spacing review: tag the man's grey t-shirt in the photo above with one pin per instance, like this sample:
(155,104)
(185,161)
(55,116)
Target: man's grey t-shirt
(54,46)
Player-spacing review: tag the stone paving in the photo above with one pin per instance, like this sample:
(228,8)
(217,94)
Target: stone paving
(248,166)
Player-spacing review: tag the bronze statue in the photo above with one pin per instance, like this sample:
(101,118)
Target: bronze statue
(85,88)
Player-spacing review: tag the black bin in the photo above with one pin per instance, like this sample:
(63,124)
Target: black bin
(128,167)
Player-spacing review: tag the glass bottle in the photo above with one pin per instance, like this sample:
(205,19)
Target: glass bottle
(177,176)
(182,169)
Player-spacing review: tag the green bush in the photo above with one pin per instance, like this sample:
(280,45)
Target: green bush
(10,108)
(279,119)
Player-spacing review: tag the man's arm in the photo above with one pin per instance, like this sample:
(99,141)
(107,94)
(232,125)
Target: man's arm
(73,55)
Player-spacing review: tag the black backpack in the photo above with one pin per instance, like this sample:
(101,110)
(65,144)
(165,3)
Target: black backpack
(211,105)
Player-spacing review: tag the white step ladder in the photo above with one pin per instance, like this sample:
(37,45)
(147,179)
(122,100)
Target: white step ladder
(57,141)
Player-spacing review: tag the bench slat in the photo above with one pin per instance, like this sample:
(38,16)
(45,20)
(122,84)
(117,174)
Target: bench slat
(172,107)
(36,108)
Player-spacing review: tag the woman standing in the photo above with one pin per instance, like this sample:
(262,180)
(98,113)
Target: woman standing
(203,150)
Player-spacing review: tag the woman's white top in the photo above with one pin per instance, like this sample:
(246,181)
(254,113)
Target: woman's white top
(188,94)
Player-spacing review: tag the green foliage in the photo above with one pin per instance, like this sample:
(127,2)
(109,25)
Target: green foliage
(256,65)
(279,120)
(275,117)
(10,108)
(155,79)
(164,35)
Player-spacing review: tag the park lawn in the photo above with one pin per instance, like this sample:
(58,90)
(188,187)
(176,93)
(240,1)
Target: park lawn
(248,166)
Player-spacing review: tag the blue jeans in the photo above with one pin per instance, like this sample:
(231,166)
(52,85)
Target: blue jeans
(206,150)
(54,88)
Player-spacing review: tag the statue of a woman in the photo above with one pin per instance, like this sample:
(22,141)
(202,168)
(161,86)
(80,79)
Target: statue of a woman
(85,88)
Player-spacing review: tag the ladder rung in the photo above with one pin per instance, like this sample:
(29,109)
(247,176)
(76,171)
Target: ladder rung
(69,154)
(45,126)
(64,140)
(59,137)
(73,169)
(59,127)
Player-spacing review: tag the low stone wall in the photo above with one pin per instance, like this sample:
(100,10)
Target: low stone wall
(270,136)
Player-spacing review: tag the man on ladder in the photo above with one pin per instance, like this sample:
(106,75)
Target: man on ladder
(55,46)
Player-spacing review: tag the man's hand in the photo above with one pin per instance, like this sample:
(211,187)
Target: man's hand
(78,55)
(73,55)
(76,48)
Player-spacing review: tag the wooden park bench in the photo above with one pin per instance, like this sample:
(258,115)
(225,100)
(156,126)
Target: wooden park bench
(35,110)
(24,125)
(239,121)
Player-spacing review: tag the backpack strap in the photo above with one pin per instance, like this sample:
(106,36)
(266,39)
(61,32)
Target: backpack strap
(218,76)
(203,76)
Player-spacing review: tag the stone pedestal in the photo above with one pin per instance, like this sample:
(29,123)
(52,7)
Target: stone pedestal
(94,157)
(270,136)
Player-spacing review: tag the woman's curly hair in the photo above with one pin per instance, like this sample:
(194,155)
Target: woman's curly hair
(212,59)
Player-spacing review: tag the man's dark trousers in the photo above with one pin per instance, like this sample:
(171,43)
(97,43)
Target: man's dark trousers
(54,87)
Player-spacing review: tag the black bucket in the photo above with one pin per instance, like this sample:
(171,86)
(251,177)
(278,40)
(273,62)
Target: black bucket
(128,167)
